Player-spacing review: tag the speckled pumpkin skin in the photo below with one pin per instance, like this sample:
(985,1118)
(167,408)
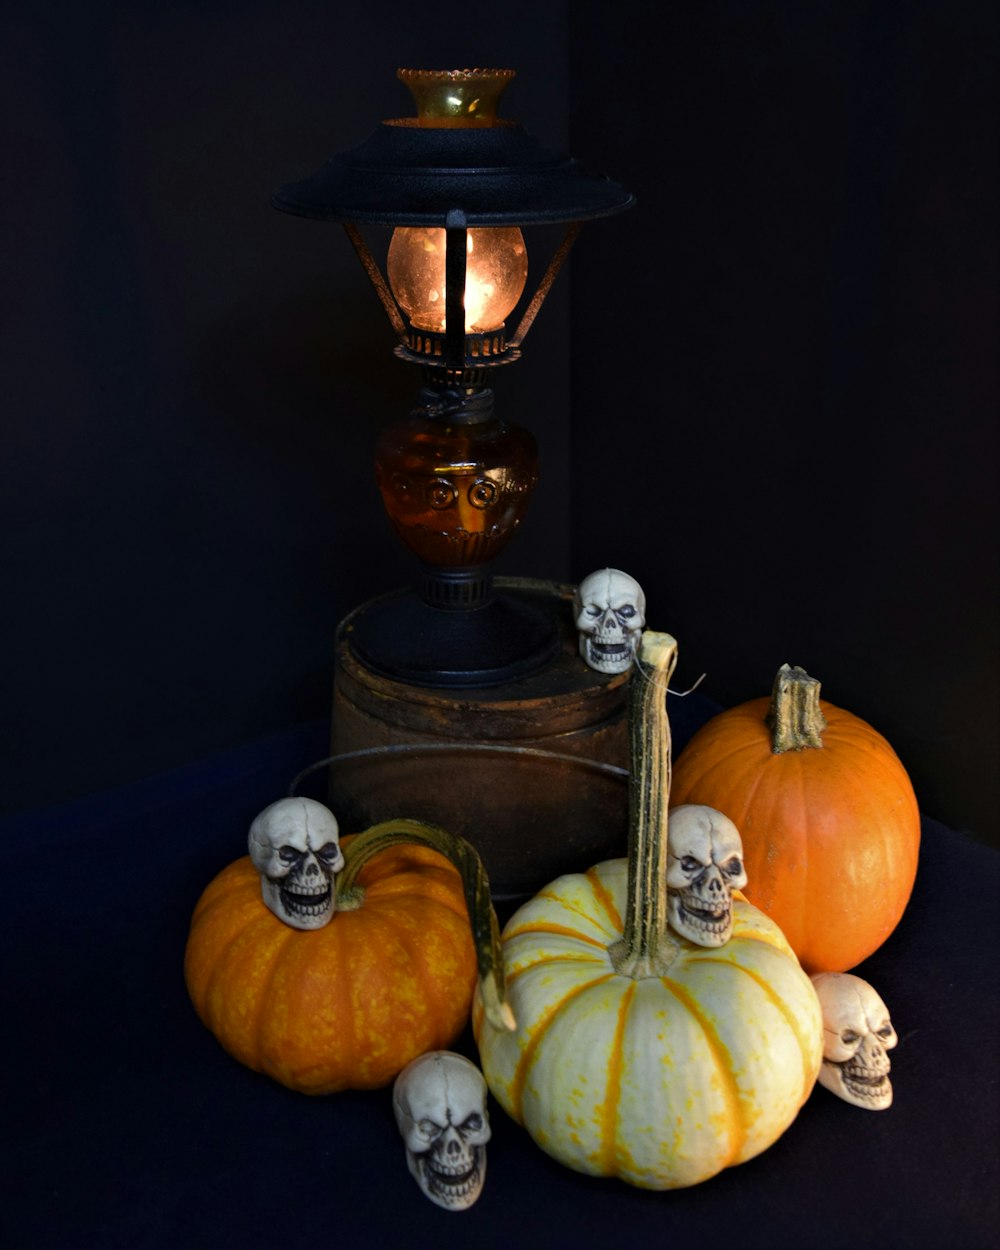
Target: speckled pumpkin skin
(662,1081)
(346,1006)
(831,836)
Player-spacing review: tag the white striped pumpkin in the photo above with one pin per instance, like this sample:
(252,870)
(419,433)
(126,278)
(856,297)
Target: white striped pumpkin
(638,1054)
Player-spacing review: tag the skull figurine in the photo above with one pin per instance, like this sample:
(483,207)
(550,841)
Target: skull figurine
(440,1104)
(857,1032)
(295,846)
(704,866)
(610,612)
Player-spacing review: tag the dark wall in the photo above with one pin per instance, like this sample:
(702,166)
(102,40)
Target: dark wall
(194,382)
(785,403)
(778,410)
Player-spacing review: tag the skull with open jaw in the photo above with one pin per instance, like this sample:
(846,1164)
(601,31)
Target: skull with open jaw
(704,866)
(439,1100)
(857,1032)
(295,846)
(610,611)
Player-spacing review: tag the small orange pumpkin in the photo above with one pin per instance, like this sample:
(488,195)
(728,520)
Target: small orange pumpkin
(830,823)
(347,1006)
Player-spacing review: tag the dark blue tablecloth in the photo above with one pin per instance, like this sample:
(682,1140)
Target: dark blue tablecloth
(125,1125)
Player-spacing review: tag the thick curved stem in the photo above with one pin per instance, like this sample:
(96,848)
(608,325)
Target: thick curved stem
(476,886)
(647,947)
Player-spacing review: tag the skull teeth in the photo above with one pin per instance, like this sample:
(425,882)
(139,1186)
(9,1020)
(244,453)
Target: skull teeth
(454,1174)
(865,1076)
(707,913)
(873,1090)
(452,1188)
(313,903)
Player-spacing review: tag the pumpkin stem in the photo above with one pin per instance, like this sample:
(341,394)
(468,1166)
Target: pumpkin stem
(482,917)
(647,947)
(795,718)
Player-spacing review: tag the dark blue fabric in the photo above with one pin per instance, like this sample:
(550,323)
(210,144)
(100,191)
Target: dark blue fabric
(127,1126)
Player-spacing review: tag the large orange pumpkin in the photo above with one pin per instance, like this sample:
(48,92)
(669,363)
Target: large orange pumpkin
(347,1006)
(830,824)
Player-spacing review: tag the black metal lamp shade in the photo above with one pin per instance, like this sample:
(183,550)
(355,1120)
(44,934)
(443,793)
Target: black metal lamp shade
(412,175)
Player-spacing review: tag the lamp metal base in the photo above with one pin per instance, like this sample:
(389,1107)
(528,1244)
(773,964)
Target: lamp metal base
(404,637)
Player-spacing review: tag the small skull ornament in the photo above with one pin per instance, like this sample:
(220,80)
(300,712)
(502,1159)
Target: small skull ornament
(704,866)
(610,612)
(857,1032)
(295,846)
(440,1104)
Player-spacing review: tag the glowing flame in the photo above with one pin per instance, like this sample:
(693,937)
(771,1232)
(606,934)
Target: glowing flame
(496,271)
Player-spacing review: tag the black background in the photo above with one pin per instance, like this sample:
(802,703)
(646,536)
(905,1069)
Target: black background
(768,391)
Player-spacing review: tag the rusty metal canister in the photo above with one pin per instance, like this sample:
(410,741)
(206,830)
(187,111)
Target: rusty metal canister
(531,772)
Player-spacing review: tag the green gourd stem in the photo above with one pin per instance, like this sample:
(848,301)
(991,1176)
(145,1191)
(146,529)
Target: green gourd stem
(647,947)
(794,717)
(475,884)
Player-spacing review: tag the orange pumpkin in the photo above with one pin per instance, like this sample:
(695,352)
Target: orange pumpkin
(830,824)
(347,1006)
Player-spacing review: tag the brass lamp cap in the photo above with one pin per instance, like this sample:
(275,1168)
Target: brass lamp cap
(448,98)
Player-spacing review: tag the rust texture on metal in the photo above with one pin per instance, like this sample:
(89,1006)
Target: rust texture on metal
(564,707)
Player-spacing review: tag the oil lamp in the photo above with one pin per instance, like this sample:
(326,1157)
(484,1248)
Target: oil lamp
(456,183)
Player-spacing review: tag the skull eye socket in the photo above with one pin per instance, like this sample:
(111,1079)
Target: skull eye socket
(288,855)
(849,1037)
(330,853)
(690,864)
(594,610)
(733,868)
(428,1129)
(626,611)
(473,1123)
(885,1032)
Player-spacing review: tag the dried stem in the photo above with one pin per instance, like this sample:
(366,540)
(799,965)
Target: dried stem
(647,947)
(795,718)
